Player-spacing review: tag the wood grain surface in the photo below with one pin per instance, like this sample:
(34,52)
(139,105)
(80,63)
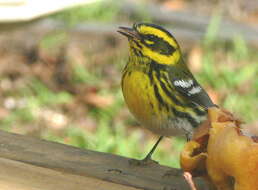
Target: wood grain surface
(29,163)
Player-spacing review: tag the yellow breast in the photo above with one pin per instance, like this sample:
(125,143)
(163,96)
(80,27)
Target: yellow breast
(139,97)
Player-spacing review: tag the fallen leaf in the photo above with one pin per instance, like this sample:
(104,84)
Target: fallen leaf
(174,5)
(97,100)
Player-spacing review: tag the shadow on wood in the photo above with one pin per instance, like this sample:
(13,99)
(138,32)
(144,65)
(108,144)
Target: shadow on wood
(28,164)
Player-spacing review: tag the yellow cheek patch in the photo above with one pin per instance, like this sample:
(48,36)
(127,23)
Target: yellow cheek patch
(151,30)
(149,42)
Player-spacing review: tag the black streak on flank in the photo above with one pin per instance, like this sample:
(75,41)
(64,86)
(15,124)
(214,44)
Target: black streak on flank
(157,73)
(199,111)
(161,102)
(170,89)
(150,74)
(169,94)
(155,68)
(186,116)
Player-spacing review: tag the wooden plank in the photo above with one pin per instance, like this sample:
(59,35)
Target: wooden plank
(27,158)
(22,176)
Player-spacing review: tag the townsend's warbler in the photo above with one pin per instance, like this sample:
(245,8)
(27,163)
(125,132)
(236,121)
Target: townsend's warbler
(157,85)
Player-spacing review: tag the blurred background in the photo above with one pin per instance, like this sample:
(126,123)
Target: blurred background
(61,63)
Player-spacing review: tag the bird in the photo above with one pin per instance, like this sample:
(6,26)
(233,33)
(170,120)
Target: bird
(158,87)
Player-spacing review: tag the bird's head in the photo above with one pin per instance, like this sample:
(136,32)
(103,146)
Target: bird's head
(152,41)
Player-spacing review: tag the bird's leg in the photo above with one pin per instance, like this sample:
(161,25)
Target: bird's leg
(188,137)
(147,158)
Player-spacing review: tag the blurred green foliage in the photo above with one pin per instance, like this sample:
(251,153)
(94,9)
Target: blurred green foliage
(104,11)
(231,74)
(54,40)
(30,99)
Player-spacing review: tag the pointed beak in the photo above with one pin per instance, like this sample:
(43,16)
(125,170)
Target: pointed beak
(128,32)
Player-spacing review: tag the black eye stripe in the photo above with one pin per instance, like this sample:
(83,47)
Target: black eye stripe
(160,45)
(150,37)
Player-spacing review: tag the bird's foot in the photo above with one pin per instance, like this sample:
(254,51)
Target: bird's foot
(147,160)
(143,162)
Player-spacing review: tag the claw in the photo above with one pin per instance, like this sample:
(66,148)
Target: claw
(144,162)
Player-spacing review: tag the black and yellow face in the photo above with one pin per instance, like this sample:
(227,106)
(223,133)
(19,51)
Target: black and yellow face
(152,41)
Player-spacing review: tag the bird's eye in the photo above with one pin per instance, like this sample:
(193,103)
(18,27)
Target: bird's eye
(151,37)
